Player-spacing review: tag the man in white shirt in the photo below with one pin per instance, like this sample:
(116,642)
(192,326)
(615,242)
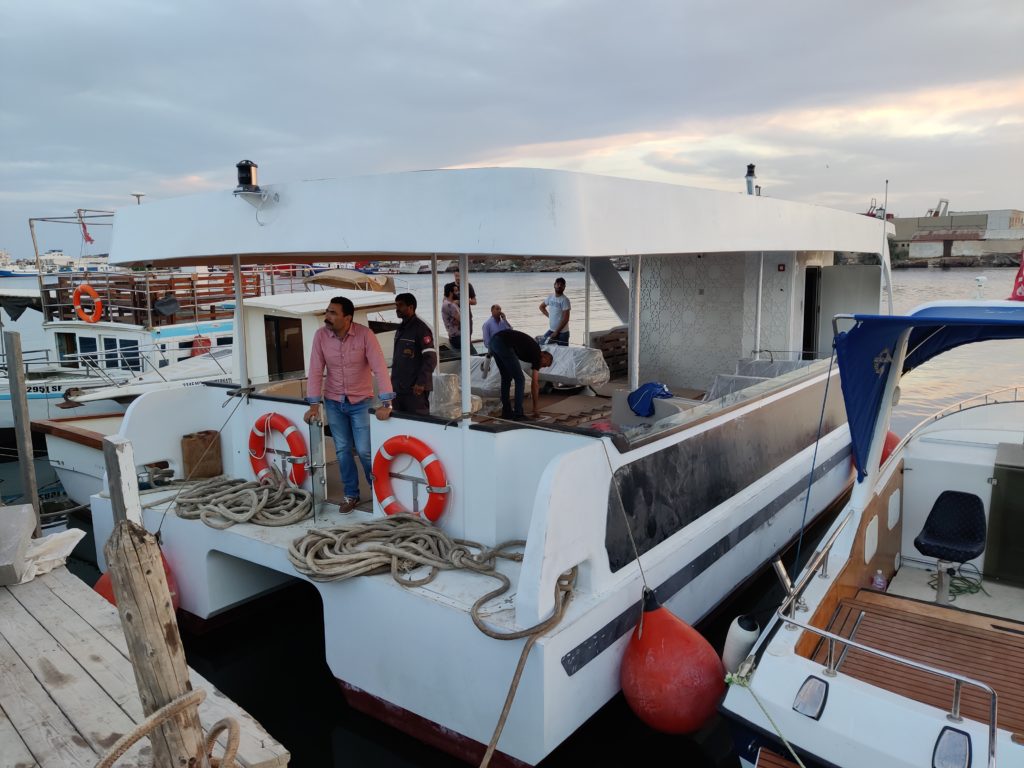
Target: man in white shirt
(556,308)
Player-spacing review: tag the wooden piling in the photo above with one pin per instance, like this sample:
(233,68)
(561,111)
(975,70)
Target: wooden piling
(22,424)
(150,626)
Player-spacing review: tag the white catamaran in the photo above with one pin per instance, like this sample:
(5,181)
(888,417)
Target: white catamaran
(723,304)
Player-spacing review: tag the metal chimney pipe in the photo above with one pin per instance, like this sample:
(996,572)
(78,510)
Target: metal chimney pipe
(750,179)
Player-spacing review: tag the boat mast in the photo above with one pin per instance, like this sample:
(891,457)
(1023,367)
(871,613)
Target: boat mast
(464,388)
(634,321)
(243,359)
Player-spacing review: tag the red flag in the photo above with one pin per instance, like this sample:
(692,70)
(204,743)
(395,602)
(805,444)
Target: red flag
(1017,294)
(85,232)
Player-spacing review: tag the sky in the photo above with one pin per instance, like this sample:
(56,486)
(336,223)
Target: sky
(828,98)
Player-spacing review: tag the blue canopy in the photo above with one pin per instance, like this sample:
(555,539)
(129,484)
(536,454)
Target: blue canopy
(866,351)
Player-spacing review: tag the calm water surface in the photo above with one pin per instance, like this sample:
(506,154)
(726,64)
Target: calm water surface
(272,661)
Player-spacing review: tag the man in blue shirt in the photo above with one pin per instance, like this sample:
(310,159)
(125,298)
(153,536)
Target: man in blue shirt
(496,322)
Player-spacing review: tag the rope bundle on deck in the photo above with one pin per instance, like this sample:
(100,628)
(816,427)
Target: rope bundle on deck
(397,543)
(220,502)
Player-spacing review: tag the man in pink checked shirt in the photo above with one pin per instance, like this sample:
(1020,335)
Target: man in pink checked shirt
(350,353)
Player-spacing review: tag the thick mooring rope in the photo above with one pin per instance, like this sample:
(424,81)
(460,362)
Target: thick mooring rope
(220,502)
(397,543)
(176,707)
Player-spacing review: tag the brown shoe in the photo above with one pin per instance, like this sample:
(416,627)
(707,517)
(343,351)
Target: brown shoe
(348,504)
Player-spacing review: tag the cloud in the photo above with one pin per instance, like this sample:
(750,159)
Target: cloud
(828,99)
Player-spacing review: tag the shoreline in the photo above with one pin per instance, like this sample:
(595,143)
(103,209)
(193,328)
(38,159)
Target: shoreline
(986,261)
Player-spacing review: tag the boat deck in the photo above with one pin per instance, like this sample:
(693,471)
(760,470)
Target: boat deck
(69,691)
(983,647)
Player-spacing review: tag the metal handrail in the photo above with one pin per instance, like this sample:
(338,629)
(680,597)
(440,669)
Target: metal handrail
(831,670)
(787,613)
(966,405)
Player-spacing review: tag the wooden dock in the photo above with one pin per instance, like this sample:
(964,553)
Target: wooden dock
(69,691)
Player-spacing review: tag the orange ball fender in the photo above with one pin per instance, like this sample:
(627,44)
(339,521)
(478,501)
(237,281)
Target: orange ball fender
(200,346)
(105,587)
(97,305)
(258,446)
(671,676)
(433,470)
(891,441)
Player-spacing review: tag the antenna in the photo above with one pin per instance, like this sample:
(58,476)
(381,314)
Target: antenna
(138,197)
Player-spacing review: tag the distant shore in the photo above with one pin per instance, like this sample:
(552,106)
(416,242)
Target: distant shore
(622,263)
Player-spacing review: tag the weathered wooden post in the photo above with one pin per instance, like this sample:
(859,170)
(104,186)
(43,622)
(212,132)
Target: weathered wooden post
(147,616)
(22,425)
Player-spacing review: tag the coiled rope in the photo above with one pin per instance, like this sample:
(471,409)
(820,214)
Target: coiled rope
(179,705)
(220,502)
(401,543)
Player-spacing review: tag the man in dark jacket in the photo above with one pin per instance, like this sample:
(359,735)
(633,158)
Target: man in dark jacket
(414,361)
(509,348)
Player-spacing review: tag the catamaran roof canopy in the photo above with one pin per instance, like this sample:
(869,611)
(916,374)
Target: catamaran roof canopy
(490,212)
(866,351)
(315,303)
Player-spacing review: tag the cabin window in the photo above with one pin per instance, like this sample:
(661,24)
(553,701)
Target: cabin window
(130,357)
(87,345)
(285,357)
(224,341)
(110,352)
(67,345)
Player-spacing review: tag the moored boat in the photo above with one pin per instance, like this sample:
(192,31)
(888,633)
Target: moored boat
(723,304)
(900,642)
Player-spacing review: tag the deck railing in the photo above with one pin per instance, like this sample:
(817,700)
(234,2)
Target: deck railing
(787,613)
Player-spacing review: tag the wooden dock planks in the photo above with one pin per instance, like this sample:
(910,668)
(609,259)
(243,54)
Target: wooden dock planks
(69,690)
(984,648)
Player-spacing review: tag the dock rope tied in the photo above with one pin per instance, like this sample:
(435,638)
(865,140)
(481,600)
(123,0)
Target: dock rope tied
(220,502)
(401,543)
(179,705)
(741,677)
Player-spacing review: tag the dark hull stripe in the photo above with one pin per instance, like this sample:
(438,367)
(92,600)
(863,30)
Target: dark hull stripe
(589,649)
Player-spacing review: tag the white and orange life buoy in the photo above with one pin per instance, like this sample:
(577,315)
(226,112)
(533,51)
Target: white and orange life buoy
(433,470)
(97,305)
(258,446)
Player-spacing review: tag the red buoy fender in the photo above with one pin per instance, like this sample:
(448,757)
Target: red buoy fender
(105,587)
(433,470)
(258,446)
(200,346)
(891,441)
(97,305)
(671,676)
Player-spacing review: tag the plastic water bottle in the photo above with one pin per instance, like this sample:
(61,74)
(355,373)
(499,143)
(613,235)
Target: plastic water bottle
(878,581)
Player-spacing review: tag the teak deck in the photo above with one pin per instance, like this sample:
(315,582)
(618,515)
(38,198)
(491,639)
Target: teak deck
(69,690)
(984,648)
(768,759)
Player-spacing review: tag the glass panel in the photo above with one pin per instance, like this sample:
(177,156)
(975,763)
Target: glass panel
(88,344)
(109,352)
(130,357)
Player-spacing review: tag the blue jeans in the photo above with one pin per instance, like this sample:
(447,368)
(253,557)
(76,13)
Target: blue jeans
(561,339)
(350,426)
(511,370)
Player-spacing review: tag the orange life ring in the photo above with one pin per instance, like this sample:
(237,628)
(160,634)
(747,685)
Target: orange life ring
(97,305)
(432,469)
(258,446)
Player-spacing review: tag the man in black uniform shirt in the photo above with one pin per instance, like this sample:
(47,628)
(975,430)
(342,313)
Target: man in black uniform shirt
(508,348)
(415,359)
